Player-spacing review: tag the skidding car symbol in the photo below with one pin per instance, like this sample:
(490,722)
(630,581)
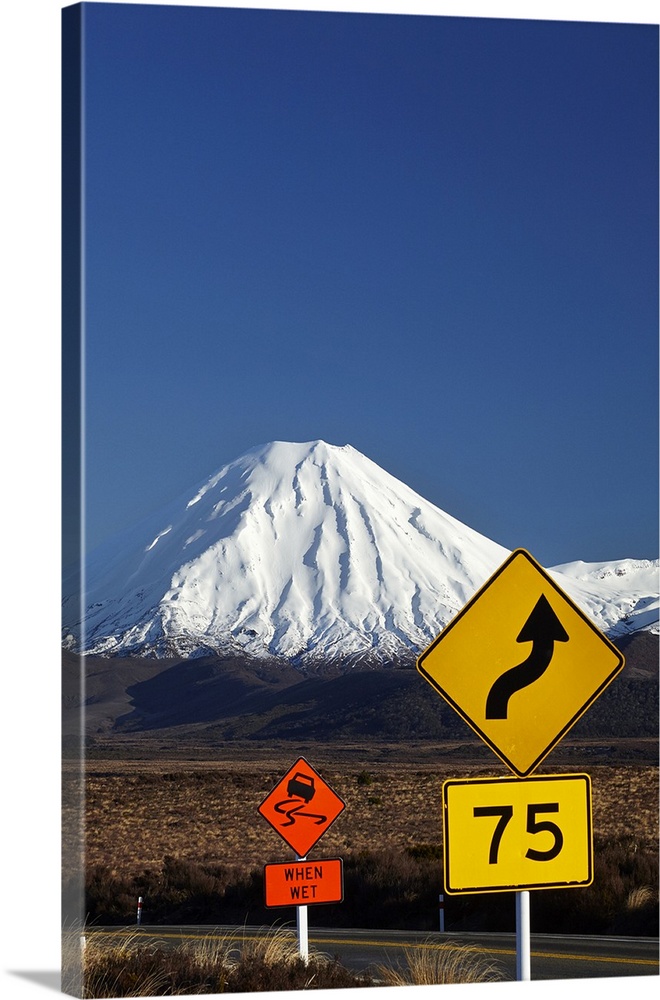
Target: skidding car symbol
(302,786)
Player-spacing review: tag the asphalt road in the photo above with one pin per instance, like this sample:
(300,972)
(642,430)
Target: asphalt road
(553,956)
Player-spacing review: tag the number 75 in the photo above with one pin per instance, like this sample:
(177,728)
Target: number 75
(505,813)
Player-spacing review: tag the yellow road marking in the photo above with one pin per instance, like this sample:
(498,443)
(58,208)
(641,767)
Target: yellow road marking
(234,936)
(496,951)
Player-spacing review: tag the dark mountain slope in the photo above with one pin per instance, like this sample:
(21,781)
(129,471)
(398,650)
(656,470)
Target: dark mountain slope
(271,700)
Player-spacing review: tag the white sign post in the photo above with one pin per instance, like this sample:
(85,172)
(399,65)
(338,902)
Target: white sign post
(523,950)
(301,923)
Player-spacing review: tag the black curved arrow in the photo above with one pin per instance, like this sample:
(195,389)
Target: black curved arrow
(543,629)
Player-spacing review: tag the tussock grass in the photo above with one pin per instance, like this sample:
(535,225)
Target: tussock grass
(73,944)
(641,896)
(273,945)
(445,964)
(122,968)
(126,965)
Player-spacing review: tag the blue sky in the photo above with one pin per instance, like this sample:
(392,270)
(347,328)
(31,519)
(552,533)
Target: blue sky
(433,238)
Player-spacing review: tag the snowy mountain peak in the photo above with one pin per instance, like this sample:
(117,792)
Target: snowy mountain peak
(302,550)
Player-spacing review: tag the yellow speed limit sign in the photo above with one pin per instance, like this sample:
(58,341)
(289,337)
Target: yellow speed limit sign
(506,833)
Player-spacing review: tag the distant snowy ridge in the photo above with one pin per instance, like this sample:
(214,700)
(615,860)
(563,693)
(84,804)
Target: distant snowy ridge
(626,587)
(311,551)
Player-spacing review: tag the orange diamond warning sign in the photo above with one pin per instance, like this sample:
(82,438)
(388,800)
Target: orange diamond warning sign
(301,807)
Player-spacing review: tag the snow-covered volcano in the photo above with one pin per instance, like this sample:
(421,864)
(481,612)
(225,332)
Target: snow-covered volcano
(310,551)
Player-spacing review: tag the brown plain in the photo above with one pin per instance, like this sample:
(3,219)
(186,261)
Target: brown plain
(143,803)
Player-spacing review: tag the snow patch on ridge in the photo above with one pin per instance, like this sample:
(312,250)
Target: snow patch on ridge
(160,535)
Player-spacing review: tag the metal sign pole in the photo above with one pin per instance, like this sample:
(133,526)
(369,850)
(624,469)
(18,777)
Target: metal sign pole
(301,921)
(523,952)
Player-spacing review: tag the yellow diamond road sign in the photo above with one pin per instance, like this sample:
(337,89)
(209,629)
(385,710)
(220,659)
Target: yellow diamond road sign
(520,663)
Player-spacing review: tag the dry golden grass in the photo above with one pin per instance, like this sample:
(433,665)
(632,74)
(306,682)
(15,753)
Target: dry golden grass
(102,965)
(443,965)
(83,955)
(642,896)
